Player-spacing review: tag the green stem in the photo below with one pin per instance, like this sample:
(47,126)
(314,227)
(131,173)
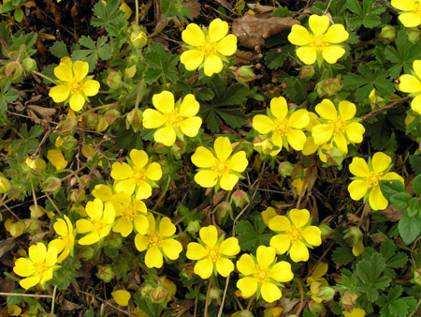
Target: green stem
(136,6)
(43,76)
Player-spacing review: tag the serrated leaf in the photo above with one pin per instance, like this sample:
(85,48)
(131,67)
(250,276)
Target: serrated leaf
(409,228)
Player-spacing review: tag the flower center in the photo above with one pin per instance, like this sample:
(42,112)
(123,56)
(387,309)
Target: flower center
(99,226)
(173,118)
(373,179)
(222,168)
(209,49)
(214,254)
(339,126)
(75,86)
(139,175)
(154,240)
(281,126)
(262,275)
(319,42)
(40,268)
(295,234)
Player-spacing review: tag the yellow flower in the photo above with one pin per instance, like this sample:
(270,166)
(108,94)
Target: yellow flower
(262,274)
(130,212)
(98,226)
(121,297)
(338,129)
(57,159)
(355,312)
(282,126)
(220,166)
(39,267)
(158,241)
(366,183)
(410,16)
(172,120)
(212,253)
(207,47)
(295,234)
(138,176)
(73,85)
(66,241)
(412,84)
(321,42)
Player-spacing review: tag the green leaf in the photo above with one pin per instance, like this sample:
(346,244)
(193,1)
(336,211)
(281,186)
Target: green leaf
(160,64)
(400,200)
(91,51)
(109,16)
(342,256)
(7,95)
(416,184)
(390,188)
(59,49)
(409,228)
(251,234)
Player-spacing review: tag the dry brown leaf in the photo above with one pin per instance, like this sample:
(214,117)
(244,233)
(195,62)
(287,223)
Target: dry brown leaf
(252,30)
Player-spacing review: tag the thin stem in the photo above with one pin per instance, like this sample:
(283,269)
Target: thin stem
(43,76)
(53,301)
(221,307)
(207,298)
(26,295)
(136,7)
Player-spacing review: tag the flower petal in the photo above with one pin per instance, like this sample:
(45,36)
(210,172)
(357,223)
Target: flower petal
(154,258)
(279,107)
(359,167)
(206,178)
(141,242)
(76,102)
(228,181)
(262,124)
(332,53)
(404,5)
(392,176)
(203,157)
(318,23)
(357,189)
(380,162)
(281,242)
(410,19)
(59,93)
(307,54)
(279,223)
(153,171)
(229,247)
(416,104)
(222,147)
(165,135)
(121,171)
(238,162)
(376,199)
(209,235)
(299,217)
(24,267)
(409,84)
(196,251)
(247,286)
(166,228)
(298,251)
(326,109)
(270,292)
(299,119)
(80,70)
(312,235)
(152,119)
(322,133)
(213,65)
(171,248)
(204,268)
(29,282)
(281,272)
(299,35)
(192,59)
(347,110)
(217,30)
(189,107)
(64,71)
(224,266)
(336,34)
(164,101)
(354,132)
(265,256)
(228,45)
(340,142)
(193,35)
(90,87)
(296,138)
(191,126)
(246,265)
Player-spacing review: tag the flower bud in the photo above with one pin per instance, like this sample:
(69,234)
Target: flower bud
(51,184)
(113,79)
(37,164)
(240,198)
(77,195)
(273,311)
(138,37)
(193,227)
(37,211)
(160,291)
(125,9)
(105,273)
(4,184)
(243,313)
(325,229)
(329,87)
(13,70)
(285,168)
(29,64)
(222,211)
(413,35)
(15,228)
(306,72)
(87,253)
(388,33)
(130,71)
(134,120)
(244,74)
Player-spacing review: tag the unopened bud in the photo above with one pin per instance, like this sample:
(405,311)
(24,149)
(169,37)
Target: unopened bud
(105,273)
(4,184)
(388,33)
(306,72)
(329,87)
(134,119)
(240,198)
(222,211)
(138,37)
(29,64)
(244,74)
(36,164)
(413,35)
(285,168)
(13,70)
(114,79)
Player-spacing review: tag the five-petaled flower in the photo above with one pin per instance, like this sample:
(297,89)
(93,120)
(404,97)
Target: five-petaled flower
(294,234)
(412,84)
(64,244)
(137,176)
(38,267)
(220,166)
(410,16)
(339,129)
(263,274)
(366,183)
(283,127)
(98,225)
(209,48)
(73,83)
(172,119)
(158,240)
(323,42)
(213,253)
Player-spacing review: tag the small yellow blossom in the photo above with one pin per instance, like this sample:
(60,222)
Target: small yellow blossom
(366,183)
(355,312)
(263,274)
(295,234)
(410,15)
(57,159)
(319,287)
(4,184)
(121,297)
(283,126)
(137,176)
(220,166)
(73,86)
(323,41)
(172,120)
(98,226)
(66,241)
(412,84)
(213,253)
(38,267)
(339,129)
(268,214)
(208,47)
(130,213)
(158,241)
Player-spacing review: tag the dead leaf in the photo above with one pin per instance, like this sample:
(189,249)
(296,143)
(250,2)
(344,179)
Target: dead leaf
(45,113)
(194,8)
(252,30)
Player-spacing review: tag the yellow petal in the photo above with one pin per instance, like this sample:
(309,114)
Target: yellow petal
(121,297)
(164,101)
(347,110)
(123,226)
(80,70)
(189,107)
(307,54)
(279,223)
(246,265)
(322,133)
(409,84)
(139,158)
(299,35)
(64,71)
(299,119)
(279,107)
(229,247)
(298,251)
(380,162)
(90,87)
(76,102)
(326,109)
(94,209)
(222,147)
(359,167)
(141,224)
(336,34)
(270,292)
(84,226)
(416,104)
(247,286)
(121,171)
(332,53)
(281,272)
(192,59)
(265,256)
(299,217)
(262,124)
(213,65)
(204,268)
(410,19)
(392,176)
(228,45)
(281,242)
(196,251)
(206,178)
(143,190)
(340,142)
(193,35)
(57,159)
(103,192)
(60,227)
(312,235)
(152,119)
(191,126)
(153,171)
(354,132)
(29,282)
(296,138)
(218,29)
(404,5)
(165,135)
(228,181)
(224,266)
(24,267)
(171,248)
(268,214)
(203,157)
(166,227)
(59,93)
(153,258)
(318,23)
(376,199)
(209,235)
(357,189)
(416,65)
(141,242)
(126,186)
(238,162)
(89,239)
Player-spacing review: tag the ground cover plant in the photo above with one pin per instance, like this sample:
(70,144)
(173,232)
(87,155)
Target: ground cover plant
(210,158)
